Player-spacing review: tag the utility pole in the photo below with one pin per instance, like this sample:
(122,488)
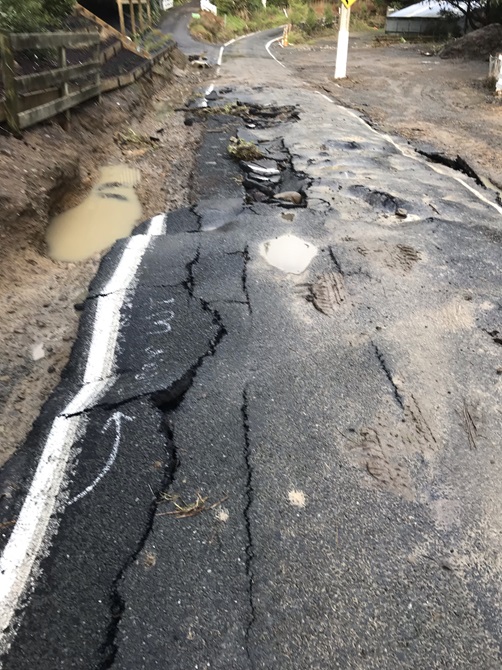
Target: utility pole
(342,46)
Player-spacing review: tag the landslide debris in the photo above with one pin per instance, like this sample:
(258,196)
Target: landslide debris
(478,45)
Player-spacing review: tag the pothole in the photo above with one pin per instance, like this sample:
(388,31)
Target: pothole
(268,173)
(288,253)
(379,200)
(253,115)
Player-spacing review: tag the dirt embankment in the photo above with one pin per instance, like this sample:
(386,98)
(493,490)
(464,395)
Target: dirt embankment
(478,45)
(48,171)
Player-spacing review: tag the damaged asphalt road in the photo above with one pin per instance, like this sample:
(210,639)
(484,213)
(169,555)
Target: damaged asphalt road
(276,468)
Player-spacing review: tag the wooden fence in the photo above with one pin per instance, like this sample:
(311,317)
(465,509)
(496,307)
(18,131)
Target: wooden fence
(144,22)
(23,93)
(108,30)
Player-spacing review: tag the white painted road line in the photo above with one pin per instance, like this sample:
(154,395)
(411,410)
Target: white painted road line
(31,529)
(267,47)
(412,154)
(238,39)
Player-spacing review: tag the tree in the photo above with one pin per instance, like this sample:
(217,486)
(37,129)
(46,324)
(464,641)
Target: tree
(32,15)
(475,13)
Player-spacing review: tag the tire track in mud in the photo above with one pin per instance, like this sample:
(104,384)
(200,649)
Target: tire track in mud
(386,449)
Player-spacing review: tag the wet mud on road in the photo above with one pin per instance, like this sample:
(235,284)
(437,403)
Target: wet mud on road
(442,106)
(52,171)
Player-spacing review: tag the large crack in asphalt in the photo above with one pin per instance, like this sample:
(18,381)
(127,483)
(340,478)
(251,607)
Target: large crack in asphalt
(335,261)
(109,648)
(250,553)
(383,364)
(166,401)
(193,209)
(189,282)
(458,164)
(246,257)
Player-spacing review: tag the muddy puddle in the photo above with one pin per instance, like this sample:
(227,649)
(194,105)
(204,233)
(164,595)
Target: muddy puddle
(109,212)
(288,253)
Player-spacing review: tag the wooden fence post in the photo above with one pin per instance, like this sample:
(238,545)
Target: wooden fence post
(121,17)
(64,90)
(149,12)
(133,17)
(141,17)
(11,95)
(498,83)
(97,79)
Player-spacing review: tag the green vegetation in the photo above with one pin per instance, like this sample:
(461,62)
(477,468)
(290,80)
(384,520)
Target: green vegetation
(154,40)
(238,17)
(243,151)
(33,15)
(309,24)
(219,29)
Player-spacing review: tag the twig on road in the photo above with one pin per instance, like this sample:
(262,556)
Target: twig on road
(184,510)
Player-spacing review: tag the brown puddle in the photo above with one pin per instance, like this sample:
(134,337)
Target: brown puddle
(110,211)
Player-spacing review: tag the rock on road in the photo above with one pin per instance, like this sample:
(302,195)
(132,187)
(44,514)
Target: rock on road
(277,470)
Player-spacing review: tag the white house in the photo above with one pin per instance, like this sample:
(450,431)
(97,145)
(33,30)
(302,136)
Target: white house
(423,18)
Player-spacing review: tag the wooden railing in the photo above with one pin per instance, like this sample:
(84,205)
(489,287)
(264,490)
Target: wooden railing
(107,29)
(146,4)
(24,92)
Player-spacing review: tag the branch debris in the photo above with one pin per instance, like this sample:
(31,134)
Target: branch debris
(184,510)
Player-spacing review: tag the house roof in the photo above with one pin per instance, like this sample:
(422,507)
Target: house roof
(429,9)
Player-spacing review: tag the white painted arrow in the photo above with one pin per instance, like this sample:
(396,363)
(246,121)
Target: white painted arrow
(116,418)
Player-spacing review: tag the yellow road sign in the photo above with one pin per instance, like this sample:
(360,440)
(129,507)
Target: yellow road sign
(348,3)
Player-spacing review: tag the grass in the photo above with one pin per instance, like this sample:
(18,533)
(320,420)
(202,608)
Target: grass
(220,29)
(154,40)
(310,26)
(244,151)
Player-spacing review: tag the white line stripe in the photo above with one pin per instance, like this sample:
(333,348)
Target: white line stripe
(267,47)
(28,534)
(409,154)
(238,39)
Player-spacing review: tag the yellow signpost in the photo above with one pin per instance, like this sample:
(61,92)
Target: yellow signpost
(342,48)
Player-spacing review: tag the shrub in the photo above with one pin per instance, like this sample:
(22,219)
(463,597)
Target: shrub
(297,12)
(210,28)
(329,17)
(311,21)
(33,15)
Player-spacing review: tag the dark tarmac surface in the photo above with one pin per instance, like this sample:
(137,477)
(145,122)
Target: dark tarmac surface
(351,513)
(176,23)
